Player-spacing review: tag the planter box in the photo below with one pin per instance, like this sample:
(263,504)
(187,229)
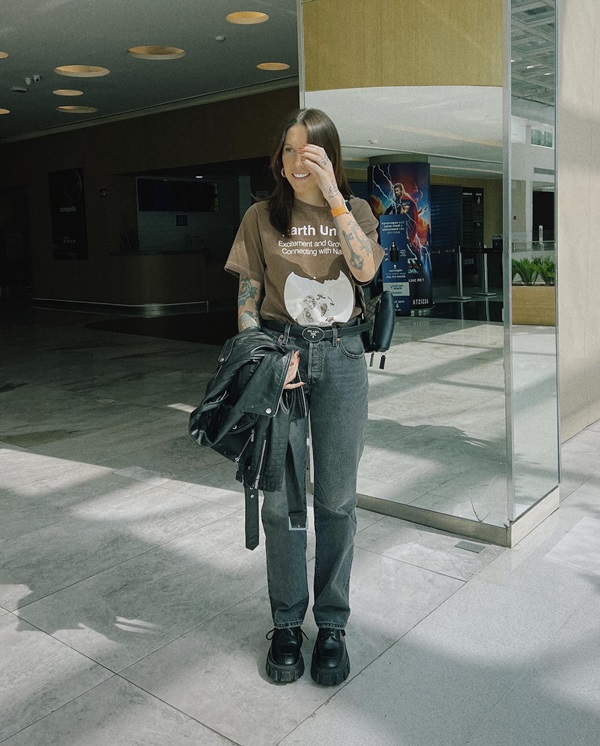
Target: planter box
(534,305)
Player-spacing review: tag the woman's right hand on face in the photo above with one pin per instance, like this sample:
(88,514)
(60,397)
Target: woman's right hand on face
(293,372)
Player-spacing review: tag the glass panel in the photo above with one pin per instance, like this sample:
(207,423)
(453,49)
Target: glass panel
(436,437)
(533,395)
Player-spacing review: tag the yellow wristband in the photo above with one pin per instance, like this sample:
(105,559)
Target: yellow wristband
(337,211)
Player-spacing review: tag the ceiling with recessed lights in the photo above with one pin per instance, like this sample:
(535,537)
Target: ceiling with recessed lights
(206,56)
(162,54)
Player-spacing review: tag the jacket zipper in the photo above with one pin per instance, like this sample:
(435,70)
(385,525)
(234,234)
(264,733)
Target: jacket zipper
(260,463)
(246,444)
(281,394)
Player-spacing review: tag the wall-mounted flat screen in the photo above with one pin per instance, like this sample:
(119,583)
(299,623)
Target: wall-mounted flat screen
(446,218)
(176,195)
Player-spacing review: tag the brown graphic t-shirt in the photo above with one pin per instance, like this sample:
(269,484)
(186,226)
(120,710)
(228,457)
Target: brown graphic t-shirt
(304,276)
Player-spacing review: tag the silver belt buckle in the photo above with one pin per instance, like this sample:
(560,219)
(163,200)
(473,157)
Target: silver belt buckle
(313,334)
(292,527)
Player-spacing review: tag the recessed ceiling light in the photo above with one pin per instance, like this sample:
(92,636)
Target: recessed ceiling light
(67,92)
(3,55)
(76,109)
(82,71)
(247,17)
(4,111)
(273,66)
(156,53)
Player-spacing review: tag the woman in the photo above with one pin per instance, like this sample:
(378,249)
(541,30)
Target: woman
(299,256)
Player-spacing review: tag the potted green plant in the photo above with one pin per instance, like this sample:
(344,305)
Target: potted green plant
(546,268)
(533,293)
(526,269)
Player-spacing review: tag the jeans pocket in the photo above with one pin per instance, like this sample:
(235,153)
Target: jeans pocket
(352,346)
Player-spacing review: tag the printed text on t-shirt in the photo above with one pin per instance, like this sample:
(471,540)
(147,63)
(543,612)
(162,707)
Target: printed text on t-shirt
(310,230)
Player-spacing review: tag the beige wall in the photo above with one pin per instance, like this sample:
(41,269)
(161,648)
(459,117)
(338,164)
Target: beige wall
(578,148)
(111,155)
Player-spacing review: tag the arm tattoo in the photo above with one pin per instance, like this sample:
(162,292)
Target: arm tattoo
(363,242)
(247,319)
(365,246)
(356,261)
(357,243)
(247,290)
(248,303)
(333,191)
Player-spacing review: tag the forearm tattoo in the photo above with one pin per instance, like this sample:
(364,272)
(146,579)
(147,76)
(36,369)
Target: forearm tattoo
(356,261)
(247,319)
(247,290)
(333,191)
(358,244)
(248,303)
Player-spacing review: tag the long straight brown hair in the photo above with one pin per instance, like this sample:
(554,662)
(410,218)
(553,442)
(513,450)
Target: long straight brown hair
(320,131)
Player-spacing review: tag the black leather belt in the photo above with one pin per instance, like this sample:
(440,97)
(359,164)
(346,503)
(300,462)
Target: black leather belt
(317,333)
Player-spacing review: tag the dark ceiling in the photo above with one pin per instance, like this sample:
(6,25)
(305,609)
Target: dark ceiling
(220,62)
(220,58)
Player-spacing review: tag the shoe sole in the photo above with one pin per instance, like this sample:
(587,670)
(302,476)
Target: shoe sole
(330,676)
(284,674)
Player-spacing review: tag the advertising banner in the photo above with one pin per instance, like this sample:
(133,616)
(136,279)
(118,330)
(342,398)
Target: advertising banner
(400,199)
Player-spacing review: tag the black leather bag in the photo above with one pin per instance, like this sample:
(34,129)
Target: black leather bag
(380,311)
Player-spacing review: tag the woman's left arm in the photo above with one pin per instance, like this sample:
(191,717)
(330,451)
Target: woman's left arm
(355,244)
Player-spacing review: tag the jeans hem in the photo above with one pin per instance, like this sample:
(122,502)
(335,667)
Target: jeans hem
(289,625)
(330,625)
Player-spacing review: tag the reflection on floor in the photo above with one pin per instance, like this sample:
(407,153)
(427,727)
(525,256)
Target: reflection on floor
(130,613)
(436,437)
(212,329)
(471,310)
(535,421)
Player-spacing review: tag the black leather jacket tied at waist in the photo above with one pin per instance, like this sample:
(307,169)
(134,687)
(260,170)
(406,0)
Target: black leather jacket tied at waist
(245,416)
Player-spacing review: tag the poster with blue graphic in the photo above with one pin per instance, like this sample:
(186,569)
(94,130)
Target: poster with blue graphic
(394,241)
(400,199)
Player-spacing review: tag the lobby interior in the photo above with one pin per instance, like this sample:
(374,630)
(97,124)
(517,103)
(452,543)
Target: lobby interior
(130,611)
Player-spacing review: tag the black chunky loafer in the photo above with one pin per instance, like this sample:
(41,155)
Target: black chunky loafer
(330,662)
(284,659)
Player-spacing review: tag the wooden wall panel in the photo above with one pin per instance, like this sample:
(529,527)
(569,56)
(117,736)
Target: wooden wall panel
(110,155)
(358,44)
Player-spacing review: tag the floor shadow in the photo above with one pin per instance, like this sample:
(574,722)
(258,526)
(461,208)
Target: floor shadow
(206,328)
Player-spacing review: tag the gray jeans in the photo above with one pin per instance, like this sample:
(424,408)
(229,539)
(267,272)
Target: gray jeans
(336,386)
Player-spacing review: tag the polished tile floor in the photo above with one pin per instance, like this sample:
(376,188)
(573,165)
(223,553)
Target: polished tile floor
(437,417)
(130,612)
